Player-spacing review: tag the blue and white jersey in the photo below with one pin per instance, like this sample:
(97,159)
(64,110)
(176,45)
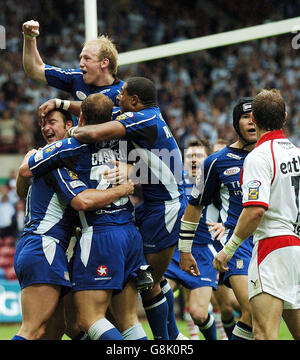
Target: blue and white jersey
(158,159)
(89,161)
(71,81)
(209,213)
(220,174)
(47,206)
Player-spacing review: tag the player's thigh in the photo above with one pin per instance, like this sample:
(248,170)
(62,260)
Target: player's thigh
(226,299)
(199,300)
(124,306)
(266,313)
(39,302)
(160,262)
(292,319)
(239,285)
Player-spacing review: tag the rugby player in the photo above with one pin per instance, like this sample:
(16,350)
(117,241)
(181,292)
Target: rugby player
(271,211)
(220,175)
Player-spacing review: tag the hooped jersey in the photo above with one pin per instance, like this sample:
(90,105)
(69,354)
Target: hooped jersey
(47,206)
(271,178)
(153,148)
(220,176)
(87,162)
(209,214)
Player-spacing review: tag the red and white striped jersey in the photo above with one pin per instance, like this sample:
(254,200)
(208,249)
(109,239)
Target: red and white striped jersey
(271,178)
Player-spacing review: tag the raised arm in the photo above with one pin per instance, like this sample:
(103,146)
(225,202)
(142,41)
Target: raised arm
(71,106)
(33,64)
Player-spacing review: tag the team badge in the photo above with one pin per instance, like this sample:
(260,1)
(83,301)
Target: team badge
(58,144)
(72,175)
(102,270)
(81,95)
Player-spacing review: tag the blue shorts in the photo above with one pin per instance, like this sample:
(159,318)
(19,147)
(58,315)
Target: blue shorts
(106,257)
(239,263)
(203,255)
(159,224)
(39,259)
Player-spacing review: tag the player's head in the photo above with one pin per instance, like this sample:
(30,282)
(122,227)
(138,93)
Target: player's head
(96,57)
(137,93)
(242,121)
(95,109)
(269,110)
(194,155)
(55,125)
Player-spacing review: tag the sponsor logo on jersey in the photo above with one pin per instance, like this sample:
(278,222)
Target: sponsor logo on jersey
(81,95)
(234,156)
(253,192)
(76,183)
(50,148)
(72,175)
(232,171)
(102,270)
(38,156)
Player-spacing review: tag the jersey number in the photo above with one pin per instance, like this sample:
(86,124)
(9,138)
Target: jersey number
(97,174)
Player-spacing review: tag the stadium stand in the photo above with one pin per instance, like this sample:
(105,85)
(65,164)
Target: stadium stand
(195,90)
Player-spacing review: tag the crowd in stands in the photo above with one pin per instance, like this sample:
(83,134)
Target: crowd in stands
(196,90)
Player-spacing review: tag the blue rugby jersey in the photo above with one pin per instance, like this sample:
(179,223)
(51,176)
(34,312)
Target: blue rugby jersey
(220,174)
(89,161)
(71,81)
(47,209)
(151,141)
(209,213)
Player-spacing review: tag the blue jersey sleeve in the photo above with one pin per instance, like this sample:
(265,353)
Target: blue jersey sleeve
(61,78)
(53,156)
(66,184)
(207,183)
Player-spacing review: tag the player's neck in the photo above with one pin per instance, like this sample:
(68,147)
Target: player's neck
(241,145)
(105,80)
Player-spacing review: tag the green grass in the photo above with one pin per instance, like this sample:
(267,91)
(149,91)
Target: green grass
(7,331)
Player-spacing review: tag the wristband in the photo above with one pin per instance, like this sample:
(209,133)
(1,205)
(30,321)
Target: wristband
(186,236)
(71,130)
(62,104)
(233,243)
(28,36)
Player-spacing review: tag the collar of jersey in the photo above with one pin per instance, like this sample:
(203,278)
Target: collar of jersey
(275,134)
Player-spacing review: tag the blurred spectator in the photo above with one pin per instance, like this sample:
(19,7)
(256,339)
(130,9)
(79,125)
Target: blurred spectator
(18,219)
(7,212)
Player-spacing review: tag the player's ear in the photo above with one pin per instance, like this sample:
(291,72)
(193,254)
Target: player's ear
(104,63)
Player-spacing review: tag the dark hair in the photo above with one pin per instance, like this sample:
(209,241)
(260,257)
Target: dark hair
(269,110)
(66,115)
(97,109)
(144,88)
(200,142)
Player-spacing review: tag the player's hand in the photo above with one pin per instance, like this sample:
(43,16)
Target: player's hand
(128,188)
(117,175)
(188,264)
(31,28)
(217,230)
(220,261)
(45,108)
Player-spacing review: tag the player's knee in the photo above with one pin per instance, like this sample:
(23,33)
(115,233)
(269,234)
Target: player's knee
(199,314)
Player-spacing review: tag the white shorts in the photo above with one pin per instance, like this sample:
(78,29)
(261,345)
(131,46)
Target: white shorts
(275,269)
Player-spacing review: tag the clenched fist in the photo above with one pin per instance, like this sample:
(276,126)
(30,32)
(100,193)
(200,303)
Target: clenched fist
(31,28)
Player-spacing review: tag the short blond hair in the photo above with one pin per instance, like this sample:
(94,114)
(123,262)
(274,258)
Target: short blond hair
(108,50)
